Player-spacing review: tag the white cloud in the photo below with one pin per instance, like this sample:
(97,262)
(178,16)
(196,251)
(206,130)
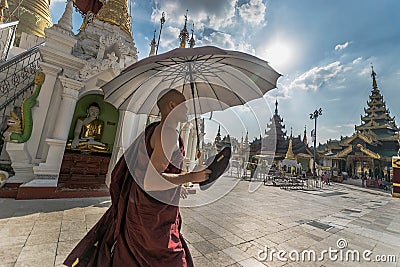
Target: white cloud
(253,12)
(339,47)
(170,38)
(347,125)
(218,23)
(215,14)
(218,38)
(357,60)
(365,71)
(317,77)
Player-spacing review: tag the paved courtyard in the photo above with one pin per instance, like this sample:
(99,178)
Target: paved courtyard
(239,229)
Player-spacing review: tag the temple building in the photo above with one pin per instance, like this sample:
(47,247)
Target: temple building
(277,145)
(370,149)
(62,138)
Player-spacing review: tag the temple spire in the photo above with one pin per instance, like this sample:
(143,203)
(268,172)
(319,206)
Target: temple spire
(184,35)
(377,115)
(276,106)
(289,153)
(373,75)
(192,42)
(116,12)
(218,136)
(153,45)
(65,21)
(305,135)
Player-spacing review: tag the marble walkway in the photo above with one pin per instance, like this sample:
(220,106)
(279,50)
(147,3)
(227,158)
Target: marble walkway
(235,223)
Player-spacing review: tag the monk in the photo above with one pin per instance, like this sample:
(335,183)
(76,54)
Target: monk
(142,226)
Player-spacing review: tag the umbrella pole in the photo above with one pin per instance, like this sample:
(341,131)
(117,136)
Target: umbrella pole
(198,153)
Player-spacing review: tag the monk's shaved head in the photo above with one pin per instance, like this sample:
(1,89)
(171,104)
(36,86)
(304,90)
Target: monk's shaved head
(168,95)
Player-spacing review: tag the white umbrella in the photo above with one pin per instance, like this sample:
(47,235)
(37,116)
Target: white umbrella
(214,78)
(231,77)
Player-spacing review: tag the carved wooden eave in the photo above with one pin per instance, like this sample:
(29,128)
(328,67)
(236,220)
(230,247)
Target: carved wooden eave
(362,136)
(375,127)
(345,152)
(369,152)
(390,138)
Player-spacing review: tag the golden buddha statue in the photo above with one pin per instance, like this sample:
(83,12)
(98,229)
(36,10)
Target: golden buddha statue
(88,132)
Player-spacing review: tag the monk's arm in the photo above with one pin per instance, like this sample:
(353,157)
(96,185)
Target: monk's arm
(156,179)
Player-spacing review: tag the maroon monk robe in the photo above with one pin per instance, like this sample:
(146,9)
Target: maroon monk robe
(138,229)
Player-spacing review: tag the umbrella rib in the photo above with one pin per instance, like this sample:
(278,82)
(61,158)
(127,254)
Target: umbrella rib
(164,79)
(213,90)
(198,97)
(160,82)
(227,86)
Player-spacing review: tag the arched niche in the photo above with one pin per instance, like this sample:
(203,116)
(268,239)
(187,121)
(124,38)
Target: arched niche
(108,113)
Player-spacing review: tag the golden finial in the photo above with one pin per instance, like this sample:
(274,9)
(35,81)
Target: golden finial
(184,35)
(192,42)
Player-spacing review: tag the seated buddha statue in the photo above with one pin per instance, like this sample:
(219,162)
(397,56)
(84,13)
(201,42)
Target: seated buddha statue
(88,131)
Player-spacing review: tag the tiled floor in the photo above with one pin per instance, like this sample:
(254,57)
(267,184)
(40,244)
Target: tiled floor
(238,229)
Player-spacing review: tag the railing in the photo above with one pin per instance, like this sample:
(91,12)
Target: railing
(17,75)
(7,35)
(16,82)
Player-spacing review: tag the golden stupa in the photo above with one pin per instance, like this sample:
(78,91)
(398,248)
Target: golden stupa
(116,12)
(33,16)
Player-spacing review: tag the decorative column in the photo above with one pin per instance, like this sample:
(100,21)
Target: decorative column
(41,112)
(51,168)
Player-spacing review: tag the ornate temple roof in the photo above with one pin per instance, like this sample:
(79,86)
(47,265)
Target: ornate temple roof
(377,115)
(276,141)
(376,137)
(276,127)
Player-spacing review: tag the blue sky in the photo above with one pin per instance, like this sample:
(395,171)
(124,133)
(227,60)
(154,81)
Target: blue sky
(323,49)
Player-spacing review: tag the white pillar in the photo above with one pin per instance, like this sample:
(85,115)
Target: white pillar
(189,145)
(185,134)
(194,146)
(40,114)
(51,168)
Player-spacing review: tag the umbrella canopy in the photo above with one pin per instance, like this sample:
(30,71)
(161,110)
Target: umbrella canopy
(226,78)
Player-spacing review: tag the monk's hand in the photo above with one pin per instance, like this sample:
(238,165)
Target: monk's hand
(184,192)
(200,176)
(199,167)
